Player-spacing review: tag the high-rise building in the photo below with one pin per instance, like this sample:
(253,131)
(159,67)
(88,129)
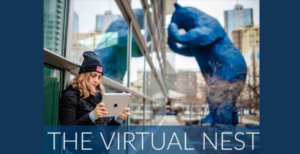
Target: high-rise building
(53,25)
(103,21)
(75,23)
(237,18)
(250,37)
(237,38)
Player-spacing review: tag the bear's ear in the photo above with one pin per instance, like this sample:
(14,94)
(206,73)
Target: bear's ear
(177,6)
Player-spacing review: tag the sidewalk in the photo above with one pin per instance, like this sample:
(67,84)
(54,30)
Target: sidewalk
(248,121)
(159,141)
(171,120)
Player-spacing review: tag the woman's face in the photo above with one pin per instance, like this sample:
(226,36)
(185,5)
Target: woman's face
(95,78)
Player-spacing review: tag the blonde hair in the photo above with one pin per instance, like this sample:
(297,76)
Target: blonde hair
(81,83)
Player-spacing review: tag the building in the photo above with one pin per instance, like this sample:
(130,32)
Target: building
(83,42)
(200,87)
(237,18)
(75,23)
(138,84)
(250,37)
(181,85)
(183,82)
(103,21)
(53,25)
(237,38)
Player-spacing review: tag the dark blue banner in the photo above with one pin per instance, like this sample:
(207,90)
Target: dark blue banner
(151,139)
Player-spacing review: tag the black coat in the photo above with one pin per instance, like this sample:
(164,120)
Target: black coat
(74,110)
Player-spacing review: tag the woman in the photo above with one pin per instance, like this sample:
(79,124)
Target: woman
(81,103)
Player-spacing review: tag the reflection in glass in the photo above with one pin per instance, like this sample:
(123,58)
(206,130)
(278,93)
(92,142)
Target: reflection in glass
(137,66)
(52,84)
(149,117)
(113,49)
(53,25)
(136,110)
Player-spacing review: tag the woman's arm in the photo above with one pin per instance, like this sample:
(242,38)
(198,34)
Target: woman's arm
(114,122)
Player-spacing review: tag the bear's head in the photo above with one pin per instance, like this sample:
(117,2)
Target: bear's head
(188,18)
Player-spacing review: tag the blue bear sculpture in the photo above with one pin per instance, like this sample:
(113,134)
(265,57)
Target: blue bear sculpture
(206,40)
(114,55)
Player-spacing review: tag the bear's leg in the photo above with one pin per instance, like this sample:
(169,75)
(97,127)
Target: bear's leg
(226,113)
(210,118)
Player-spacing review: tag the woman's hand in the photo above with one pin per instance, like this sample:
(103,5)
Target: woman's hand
(124,114)
(100,110)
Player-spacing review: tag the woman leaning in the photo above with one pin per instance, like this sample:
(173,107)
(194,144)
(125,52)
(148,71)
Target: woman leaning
(81,102)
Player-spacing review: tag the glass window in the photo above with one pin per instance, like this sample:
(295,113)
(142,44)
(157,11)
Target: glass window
(248,17)
(137,61)
(148,80)
(52,88)
(136,110)
(149,118)
(160,107)
(54,17)
(101,29)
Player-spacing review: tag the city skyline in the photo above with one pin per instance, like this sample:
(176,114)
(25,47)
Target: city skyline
(214,8)
(104,20)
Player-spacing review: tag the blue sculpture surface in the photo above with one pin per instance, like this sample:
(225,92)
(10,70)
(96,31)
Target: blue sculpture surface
(206,40)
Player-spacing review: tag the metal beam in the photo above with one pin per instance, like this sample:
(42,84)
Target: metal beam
(127,11)
(60,62)
(153,36)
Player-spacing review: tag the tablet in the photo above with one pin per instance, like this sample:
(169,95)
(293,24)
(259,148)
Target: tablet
(115,103)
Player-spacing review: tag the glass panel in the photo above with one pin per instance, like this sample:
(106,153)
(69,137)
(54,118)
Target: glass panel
(136,4)
(137,60)
(137,74)
(101,29)
(148,73)
(148,80)
(159,106)
(137,110)
(156,65)
(52,87)
(149,119)
(154,96)
(54,16)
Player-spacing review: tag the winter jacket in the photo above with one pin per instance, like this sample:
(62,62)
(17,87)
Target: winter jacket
(74,110)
